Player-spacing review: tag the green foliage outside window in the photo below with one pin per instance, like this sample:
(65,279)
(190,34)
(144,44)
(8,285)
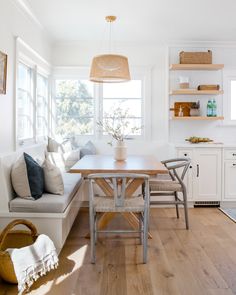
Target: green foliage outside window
(74,108)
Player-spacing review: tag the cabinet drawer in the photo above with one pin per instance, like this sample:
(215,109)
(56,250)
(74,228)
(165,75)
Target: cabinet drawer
(185,154)
(230,154)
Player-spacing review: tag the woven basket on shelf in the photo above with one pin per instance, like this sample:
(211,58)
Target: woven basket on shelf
(14,239)
(195,57)
(209,87)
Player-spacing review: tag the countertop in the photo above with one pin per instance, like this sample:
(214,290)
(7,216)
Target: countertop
(203,145)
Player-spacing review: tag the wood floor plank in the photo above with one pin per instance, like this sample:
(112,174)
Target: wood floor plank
(180,264)
(218,255)
(138,275)
(201,261)
(203,267)
(162,276)
(114,274)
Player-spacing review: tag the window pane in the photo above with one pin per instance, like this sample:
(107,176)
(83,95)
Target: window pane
(42,106)
(132,106)
(24,127)
(24,102)
(122,107)
(72,126)
(233,100)
(42,85)
(74,107)
(131,89)
(24,77)
(128,126)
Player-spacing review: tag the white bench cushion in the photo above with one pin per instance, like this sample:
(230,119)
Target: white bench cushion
(49,203)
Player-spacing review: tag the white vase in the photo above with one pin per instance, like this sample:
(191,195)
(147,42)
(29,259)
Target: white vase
(120,151)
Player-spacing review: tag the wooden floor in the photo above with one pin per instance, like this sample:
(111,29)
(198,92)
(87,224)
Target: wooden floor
(199,261)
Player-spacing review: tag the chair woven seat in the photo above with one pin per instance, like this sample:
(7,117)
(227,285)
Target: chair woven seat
(171,184)
(160,177)
(165,186)
(106,204)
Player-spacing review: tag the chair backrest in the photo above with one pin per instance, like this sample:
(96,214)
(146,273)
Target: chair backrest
(118,183)
(173,164)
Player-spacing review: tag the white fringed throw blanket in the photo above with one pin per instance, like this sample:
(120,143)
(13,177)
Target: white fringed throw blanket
(33,261)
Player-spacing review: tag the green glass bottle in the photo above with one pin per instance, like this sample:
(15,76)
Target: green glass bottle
(209,108)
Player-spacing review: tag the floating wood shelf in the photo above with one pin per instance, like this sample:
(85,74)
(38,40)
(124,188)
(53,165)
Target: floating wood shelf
(203,67)
(198,118)
(196,92)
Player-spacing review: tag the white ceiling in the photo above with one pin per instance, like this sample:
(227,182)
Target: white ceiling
(138,20)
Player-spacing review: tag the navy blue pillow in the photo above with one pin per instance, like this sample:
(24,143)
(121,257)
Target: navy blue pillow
(35,177)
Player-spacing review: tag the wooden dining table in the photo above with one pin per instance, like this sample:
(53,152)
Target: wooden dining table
(107,164)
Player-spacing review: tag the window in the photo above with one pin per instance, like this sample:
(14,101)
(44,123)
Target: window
(124,100)
(32,95)
(25,107)
(233,99)
(74,107)
(42,106)
(80,104)
(229,97)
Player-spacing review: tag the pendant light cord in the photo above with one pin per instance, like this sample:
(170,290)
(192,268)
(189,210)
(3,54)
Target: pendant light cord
(110,37)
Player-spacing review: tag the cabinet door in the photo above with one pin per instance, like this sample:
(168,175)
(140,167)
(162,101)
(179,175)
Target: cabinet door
(230,180)
(207,174)
(188,180)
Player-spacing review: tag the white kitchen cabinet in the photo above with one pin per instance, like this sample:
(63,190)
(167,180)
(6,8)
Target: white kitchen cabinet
(230,180)
(207,174)
(204,179)
(188,180)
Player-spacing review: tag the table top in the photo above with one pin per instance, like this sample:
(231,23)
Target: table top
(107,164)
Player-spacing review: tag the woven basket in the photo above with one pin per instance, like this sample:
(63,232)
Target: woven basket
(14,239)
(209,87)
(195,57)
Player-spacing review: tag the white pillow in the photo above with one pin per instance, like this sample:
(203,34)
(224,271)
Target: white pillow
(57,160)
(71,158)
(66,146)
(52,179)
(53,145)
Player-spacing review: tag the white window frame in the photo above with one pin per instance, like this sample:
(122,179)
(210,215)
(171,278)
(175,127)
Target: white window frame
(26,55)
(42,73)
(228,76)
(31,67)
(73,73)
(137,73)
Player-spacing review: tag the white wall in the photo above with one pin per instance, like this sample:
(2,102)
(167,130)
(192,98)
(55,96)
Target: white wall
(81,54)
(14,22)
(158,57)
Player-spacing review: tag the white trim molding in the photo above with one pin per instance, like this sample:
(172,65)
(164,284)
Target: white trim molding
(27,10)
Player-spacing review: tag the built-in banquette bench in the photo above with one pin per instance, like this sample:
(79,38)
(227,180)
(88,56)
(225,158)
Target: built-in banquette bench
(53,215)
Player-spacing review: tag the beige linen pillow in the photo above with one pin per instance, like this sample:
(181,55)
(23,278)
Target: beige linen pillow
(53,145)
(27,178)
(57,160)
(53,180)
(19,179)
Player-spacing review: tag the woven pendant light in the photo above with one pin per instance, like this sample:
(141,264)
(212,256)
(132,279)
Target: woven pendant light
(110,68)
